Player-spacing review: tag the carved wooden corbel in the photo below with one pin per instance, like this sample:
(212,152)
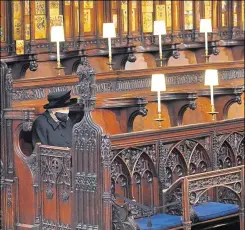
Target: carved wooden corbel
(126,110)
(223,99)
(20,64)
(177,104)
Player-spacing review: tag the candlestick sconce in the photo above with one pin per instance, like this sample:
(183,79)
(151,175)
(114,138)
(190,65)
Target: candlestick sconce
(160,29)
(206,27)
(211,79)
(158,84)
(109,32)
(57,35)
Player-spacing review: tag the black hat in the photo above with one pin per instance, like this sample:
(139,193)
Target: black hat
(59,100)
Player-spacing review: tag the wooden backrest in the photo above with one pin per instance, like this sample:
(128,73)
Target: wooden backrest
(54,182)
(167,155)
(134,175)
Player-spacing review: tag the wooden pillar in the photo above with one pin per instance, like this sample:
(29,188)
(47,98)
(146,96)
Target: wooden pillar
(107,11)
(81,20)
(215,19)
(129,35)
(186,205)
(197,15)
(230,19)
(176,20)
(100,19)
(106,162)
(9,25)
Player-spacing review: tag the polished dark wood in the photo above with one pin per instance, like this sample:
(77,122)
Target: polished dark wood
(58,184)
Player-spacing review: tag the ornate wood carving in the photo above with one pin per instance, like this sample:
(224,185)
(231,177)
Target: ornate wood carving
(125,84)
(20,64)
(177,104)
(224,98)
(195,186)
(180,159)
(126,109)
(51,225)
(54,166)
(55,171)
(232,181)
(86,155)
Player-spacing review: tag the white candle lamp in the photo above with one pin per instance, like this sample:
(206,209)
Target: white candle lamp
(158,84)
(57,35)
(109,32)
(211,79)
(160,29)
(206,27)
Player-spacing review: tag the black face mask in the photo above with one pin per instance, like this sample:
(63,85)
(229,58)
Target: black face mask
(63,117)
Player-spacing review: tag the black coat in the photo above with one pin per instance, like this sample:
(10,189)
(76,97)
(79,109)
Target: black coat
(49,132)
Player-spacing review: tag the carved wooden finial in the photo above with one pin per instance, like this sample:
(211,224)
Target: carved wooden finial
(87,86)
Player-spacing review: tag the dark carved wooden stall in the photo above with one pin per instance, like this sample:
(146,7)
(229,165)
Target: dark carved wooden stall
(62,188)
(123,171)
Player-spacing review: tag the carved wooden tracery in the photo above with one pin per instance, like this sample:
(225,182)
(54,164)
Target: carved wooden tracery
(87,155)
(134,169)
(184,158)
(231,150)
(55,181)
(231,181)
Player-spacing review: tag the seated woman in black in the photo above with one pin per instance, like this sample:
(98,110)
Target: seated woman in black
(54,127)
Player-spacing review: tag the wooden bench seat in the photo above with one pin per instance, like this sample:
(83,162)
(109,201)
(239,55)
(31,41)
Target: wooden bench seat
(213,210)
(204,212)
(192,207)
(160,222)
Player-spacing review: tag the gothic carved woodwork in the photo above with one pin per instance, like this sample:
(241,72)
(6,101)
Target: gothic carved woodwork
(126,109)
(224,98)
(55,171)
(229,183)
(19,65)
(183,158)
(177,104)
(54,165)
(133,173)
(86,157)
(116,84)
(133,22)
(230,152)
(230,180)
(120,218)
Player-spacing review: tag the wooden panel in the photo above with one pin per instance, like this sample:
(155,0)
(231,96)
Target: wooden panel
(200,114)
(236,110)
(17,16)
(148,122)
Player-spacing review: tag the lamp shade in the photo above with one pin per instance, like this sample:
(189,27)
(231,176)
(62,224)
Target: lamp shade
(109,30)
(159,28)
(158,82)
(205,25)
(57,34)
(211,77)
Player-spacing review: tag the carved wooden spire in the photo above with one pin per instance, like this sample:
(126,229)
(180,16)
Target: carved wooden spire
(88,208)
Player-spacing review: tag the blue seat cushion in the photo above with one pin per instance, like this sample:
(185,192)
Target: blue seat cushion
(211,210)
(160,222)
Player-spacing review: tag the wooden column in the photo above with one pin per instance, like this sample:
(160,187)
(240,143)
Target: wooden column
(230,19)
(197,15)
(215,19)
(176,21)
(100,19)
(107,11)
(186,205)
(129,9)
(81,20)
(9,25)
